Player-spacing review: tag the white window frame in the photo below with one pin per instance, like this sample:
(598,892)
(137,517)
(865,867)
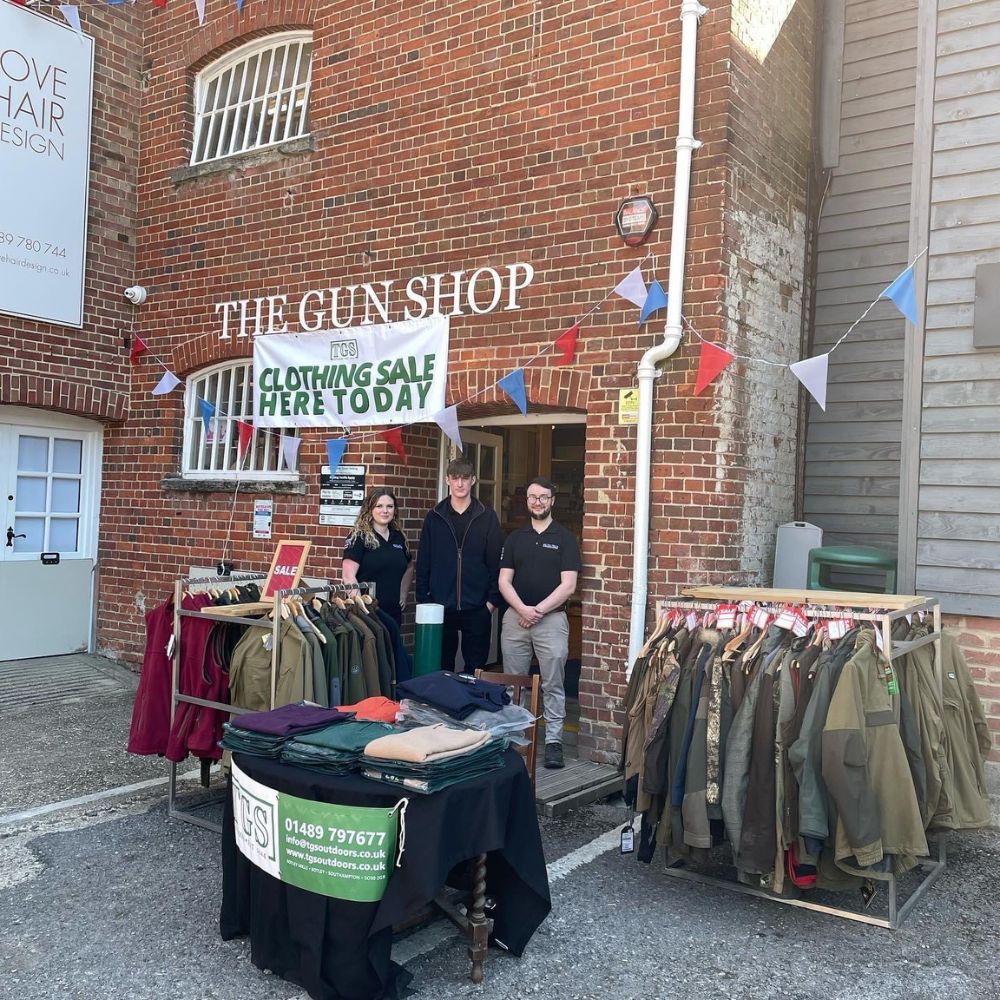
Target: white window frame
(263,461)
(285,107)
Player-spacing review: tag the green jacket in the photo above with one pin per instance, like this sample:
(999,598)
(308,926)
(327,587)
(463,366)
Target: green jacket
(866,770)
(250,670)
(966,743)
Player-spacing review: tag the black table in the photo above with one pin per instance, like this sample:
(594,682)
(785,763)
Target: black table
(340,950)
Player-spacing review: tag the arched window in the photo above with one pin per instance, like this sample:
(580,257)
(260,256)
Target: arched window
(254,97)
(211,449)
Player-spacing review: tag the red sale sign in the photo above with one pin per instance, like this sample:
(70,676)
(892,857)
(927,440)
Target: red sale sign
(286,568)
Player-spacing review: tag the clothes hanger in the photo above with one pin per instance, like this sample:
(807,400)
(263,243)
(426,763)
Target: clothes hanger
(662,626)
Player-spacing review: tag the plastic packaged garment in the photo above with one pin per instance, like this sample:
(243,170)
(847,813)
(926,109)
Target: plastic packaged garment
(510,721)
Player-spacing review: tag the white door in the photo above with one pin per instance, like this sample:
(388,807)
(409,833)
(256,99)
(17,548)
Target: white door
(50,480)
(485,452)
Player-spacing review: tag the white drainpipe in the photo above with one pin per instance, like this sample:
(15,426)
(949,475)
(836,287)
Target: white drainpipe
(691,13)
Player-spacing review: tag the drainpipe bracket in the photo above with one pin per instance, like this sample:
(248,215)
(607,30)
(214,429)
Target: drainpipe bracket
(693,7)
(689,142)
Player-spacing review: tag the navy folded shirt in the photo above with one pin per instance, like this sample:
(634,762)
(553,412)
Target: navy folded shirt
(456,694)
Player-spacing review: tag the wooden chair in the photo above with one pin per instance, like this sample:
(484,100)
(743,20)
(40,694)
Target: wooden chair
(527,693)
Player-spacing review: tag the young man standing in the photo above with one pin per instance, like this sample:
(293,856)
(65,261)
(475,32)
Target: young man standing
(457,566)
(538,573)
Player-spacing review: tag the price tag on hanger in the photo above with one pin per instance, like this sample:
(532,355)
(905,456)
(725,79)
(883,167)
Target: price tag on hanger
(692,620)
(170,647)
(879,641)
(745,606)
(786,617)
(836,628)
(800,625)
(759,618)
(628,838)
(727,615)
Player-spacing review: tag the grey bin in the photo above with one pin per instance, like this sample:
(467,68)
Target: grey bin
(791,554)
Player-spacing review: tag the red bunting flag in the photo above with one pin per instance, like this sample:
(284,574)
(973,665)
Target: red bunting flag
(711,363)
(394,438)
(138,347)
(159,3)
(246,436)
(567,344)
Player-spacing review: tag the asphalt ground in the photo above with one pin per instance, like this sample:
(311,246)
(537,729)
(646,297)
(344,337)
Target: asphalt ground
(108,898)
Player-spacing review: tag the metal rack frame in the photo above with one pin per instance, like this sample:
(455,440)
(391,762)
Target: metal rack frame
(273,624)
(826,605)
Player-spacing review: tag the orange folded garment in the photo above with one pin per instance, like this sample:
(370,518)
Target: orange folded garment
(377,709)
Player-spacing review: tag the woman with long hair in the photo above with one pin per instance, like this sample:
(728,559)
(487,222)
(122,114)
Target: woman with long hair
(376,552)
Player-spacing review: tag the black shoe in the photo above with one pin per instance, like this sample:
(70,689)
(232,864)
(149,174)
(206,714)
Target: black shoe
(553,755)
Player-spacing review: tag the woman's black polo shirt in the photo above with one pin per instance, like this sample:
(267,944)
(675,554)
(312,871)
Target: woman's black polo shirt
(383,566)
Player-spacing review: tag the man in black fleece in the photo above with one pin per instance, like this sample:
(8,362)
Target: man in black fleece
(458,563)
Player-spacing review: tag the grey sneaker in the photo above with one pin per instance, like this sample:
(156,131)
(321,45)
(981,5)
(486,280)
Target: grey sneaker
(554,755)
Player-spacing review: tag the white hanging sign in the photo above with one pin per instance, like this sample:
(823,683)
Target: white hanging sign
(394,373)
(46,84)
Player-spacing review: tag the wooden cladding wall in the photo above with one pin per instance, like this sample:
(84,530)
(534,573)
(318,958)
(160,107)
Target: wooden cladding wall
(958,527)
(851,485)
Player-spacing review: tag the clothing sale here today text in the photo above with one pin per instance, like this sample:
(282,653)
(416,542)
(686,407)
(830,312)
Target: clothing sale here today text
(358,387)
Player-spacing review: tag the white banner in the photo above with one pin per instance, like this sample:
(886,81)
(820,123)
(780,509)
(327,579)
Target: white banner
(394,373)
(255,822)
(46,81)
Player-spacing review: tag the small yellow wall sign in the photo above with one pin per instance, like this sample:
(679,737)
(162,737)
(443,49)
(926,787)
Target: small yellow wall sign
(628,405)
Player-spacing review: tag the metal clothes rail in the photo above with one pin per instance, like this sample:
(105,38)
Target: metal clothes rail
(881,610)
(272,623)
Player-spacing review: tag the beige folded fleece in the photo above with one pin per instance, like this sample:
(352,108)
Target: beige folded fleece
(426,744)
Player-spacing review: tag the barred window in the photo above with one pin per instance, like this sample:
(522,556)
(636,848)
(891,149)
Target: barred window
(212,451)
(254,97)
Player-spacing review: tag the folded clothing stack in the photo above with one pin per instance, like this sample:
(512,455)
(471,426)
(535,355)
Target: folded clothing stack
(263,734)
(459,695)
(430,758)
(336,749)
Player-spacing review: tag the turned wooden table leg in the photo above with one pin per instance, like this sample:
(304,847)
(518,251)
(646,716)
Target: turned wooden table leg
(479,928)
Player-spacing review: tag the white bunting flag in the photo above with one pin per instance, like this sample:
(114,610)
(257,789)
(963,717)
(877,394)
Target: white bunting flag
(632,287)
(168,383)
(72,16)
(290,451)
(200,6)
(447,420)
(812,374)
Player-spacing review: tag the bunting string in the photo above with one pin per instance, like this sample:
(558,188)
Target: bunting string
(812,372)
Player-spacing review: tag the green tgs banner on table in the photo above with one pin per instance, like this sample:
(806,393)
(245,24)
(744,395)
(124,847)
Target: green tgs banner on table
(346,852)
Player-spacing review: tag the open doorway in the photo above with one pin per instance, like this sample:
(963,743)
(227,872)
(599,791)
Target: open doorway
(507,452)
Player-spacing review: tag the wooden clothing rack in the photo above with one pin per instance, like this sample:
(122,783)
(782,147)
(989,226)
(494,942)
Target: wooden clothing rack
(230,615)
(881,610)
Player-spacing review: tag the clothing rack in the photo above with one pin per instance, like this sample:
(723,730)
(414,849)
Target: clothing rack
(227,617)
(881,610)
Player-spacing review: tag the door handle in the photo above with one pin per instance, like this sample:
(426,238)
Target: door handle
(11,536)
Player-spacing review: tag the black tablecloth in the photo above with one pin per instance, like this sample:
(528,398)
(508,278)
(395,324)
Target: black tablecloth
(340,950)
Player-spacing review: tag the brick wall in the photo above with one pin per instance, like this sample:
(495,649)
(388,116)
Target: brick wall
(447,139)
(979,639)
(85,372)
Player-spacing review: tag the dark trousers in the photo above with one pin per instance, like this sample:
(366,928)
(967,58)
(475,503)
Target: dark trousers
(474,624)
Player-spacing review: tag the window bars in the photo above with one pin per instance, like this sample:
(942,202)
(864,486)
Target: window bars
(211,449)
(255,97)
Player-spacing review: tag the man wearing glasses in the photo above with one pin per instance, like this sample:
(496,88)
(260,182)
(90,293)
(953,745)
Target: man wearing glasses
(457,565)
(538,571)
